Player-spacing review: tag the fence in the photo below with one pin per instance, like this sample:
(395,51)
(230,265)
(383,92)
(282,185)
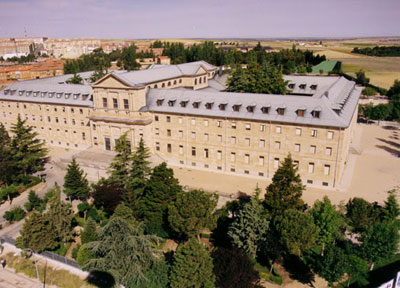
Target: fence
(47,254)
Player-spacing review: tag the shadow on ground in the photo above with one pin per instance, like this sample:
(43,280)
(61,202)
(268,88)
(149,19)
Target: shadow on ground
(101,279)
(298,270)
(393,148)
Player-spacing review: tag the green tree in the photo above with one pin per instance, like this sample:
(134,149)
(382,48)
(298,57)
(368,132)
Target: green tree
(126,213)
(8,192)
(76,186)
(369,91)
(391,211)
(191,212)
(14,214)
(161,191)
(6,163)
(286,189)
(361,78)
(34,202)
(119,168)
(250,226)
(110,252)
(394,90)
(157,276)
(233,268)
(329,221)
(138,175)
(129,58)
(89,232)
(193,266)
(84,255)
(357,270)
(361,214)
(380,241)
(29,154)
(297,231)
(37,233)
(76,79)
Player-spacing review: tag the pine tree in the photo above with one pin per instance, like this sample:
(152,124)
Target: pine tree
(61,216)
(250,226)
(6,163)
(119,168)
(286,189)
(76,186)
(137,176)
(89,233)
(29,154)
(37,233)
(191,212)
(391,211)
(126,213)
(193,266)
(161,191)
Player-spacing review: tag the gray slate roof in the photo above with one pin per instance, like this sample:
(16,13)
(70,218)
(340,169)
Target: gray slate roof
(323,101)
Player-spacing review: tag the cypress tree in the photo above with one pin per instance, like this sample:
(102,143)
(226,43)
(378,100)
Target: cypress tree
(76,186)
(89,233)
(161,191)
(119,168)
(286,189)
(29,154)
(193,266)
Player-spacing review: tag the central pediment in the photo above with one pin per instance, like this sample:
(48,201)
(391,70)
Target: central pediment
(111,81)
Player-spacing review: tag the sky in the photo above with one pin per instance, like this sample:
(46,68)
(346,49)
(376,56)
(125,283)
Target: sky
(152,19)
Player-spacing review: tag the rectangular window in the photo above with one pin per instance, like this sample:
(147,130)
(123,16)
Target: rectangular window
(311,167)
(276,163)
(205,137)
(233,140)
(156,118)
(193,151)
(219,155)
(115,103)
(262,128)
(126,104)
(247,158)
(168,132)
(248,126)
(169,148)
(327,169)
(313,149)
(262,143)
(180,120)
(219,138)
(83,136)
(157,146)
(219,124)
(168,119)
(277,145)
(105,103)
(233,125)
(328,151)
(314,133)
(247,141)
(297,147)
(206,123)
(205,153)
(107,143)
(180,134)
(278,129)
(157,131)
(193,121)
(330,134)
(261,160)
(180,149)
(233,157)
(193,135)
(298,131)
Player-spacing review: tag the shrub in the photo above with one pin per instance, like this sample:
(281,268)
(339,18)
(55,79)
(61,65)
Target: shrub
(15,214)
(369,91)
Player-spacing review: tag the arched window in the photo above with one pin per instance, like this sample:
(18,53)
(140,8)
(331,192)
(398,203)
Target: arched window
(162,85)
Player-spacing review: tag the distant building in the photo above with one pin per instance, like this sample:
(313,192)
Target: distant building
(70,48)
(187,120)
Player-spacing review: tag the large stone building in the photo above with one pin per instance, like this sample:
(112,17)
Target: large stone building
(186,119)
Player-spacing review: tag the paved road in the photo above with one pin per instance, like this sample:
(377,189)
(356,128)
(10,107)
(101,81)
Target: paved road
(9,279)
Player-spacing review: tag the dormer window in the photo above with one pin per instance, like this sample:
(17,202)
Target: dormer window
(67,95)
(236,107)
(302,86)
(222,106)
(28,93)
(6,91)
(291,85)
(76,96)
(36,93)
(171,103)
(155,86)
(196,104)
(21,92)
(43,94)
(12,92)
(313,87)
(59,95)
(265,109)
(51,94)
(316,113)
(209,105)
(85,96)
(159,102)
(300,112)
(250,108)
(183,103)
(281,111)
